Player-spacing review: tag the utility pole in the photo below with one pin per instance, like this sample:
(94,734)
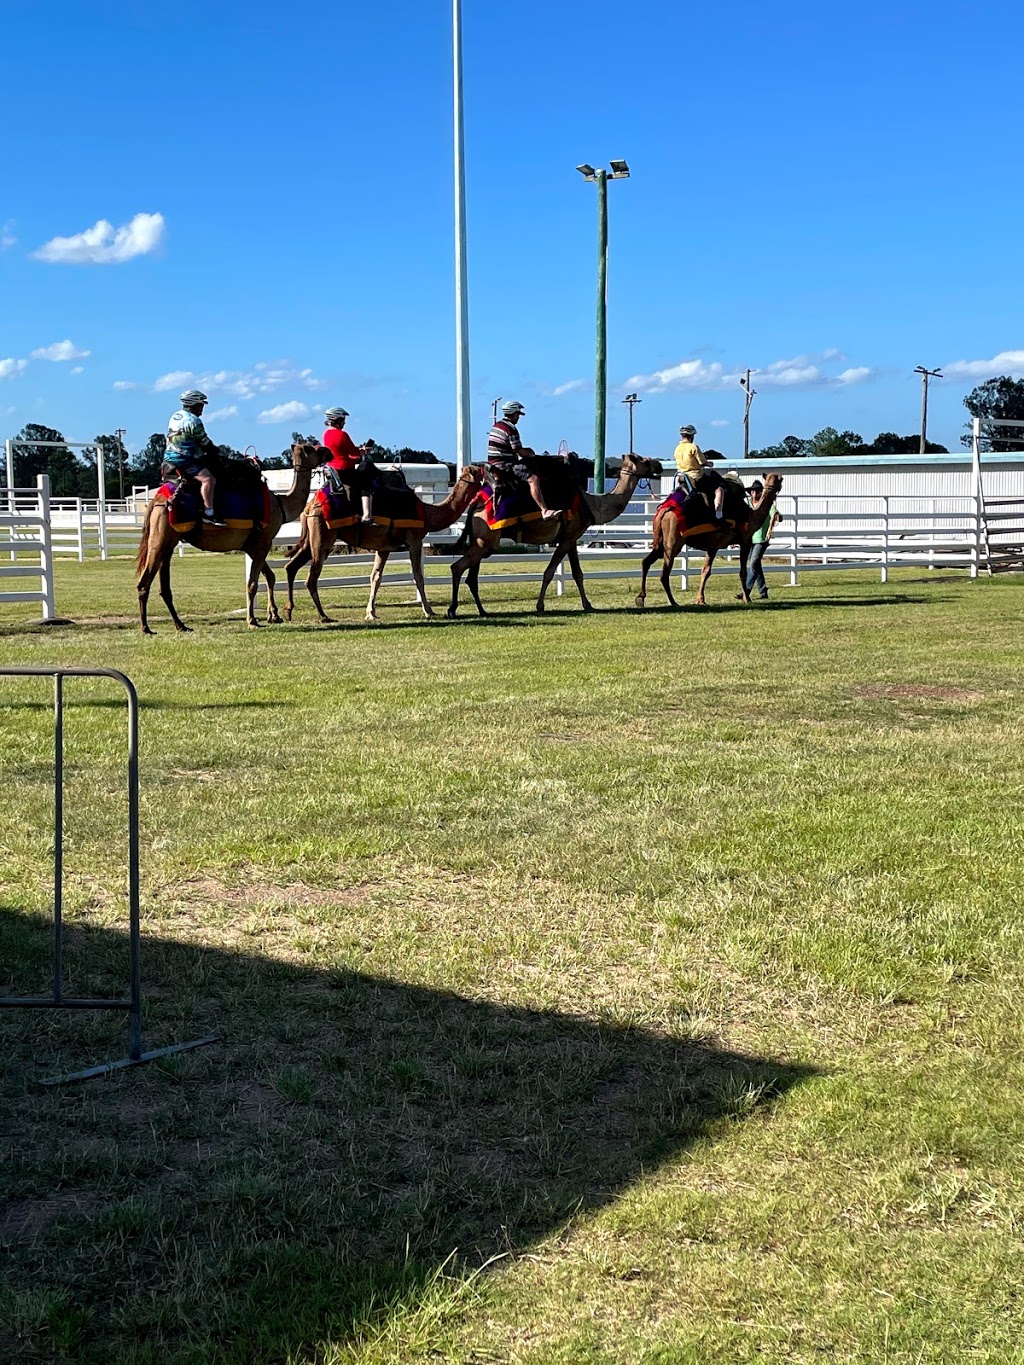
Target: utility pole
(750,395)
(494,408)
(632,400)
(463,418)
(120,461)
(925,374)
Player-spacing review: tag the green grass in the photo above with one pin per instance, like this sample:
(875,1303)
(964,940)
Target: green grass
(622,988)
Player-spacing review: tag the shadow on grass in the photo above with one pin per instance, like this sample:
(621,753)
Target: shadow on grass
(310,1178)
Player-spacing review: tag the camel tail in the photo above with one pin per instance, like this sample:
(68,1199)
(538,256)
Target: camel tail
(143,555)
(465,540)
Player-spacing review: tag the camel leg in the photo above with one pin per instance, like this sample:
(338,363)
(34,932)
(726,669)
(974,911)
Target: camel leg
(705,574)
(577,575)
(473,584)
(560,552)
(273,615)
(645,569)
(416,563)
(379,560)
(744,556)
(251,586)
(315,570)
(666,576)
(471,561)
(143,586)
(165,593)
(291,568)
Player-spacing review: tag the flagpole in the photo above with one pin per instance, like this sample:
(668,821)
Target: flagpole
(463,420)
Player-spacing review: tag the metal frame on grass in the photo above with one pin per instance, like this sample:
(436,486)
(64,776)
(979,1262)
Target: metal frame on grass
(58,1000)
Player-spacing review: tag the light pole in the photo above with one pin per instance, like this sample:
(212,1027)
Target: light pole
(120,461)
(632,400)
(494,408)
(750,395)
(463,421)
(925,376)
(619,171)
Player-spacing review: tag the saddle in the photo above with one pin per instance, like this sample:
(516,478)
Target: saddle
(245,506)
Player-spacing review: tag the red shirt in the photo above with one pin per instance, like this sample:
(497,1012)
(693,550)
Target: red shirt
(344,451)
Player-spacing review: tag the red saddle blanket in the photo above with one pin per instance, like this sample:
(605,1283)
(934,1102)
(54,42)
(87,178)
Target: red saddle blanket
(239,508)
(401,512)
(508,507)
(695,516)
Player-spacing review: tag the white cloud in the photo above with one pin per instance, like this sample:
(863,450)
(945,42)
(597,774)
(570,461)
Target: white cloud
(7,237)
(265,377)
(78,369)
(125,384)
(719,422)
(802,371)
(1006,362)
(571,387)
(10,368)
(103,244)
(60,350)
(232,411)
(285,412)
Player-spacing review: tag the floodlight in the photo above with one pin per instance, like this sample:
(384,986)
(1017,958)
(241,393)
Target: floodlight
(586,170)
(619,169)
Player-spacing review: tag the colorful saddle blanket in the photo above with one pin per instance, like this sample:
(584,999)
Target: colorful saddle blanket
(507,506)
(694,514)
(399,509)
(239,508)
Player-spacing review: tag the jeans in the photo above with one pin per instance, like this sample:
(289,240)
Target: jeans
(755,573)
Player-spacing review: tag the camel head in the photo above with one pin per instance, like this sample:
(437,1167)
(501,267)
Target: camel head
(474,476)
(641,467)
(308,454)
(772,483)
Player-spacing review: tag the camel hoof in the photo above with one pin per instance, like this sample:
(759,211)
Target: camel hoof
(254,625)
(327,620)
(541,609)
(287,613)
(183,630)
(451,613)
(588,607)
(146,631)
(639,600)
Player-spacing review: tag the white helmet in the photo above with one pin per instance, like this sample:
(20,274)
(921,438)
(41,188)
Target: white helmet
(511,409)
(334,414)
(191,397)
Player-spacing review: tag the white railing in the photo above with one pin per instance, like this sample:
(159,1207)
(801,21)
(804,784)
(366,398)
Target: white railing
(816,532)
(26,549)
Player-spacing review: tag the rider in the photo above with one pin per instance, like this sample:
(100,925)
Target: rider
(693,466)
(189,447)
(506,452)
(349,464)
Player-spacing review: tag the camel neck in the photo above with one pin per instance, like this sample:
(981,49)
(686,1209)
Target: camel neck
(438,515)
(295,499)
(607,506)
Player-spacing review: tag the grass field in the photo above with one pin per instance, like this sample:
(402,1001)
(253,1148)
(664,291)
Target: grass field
(623,988)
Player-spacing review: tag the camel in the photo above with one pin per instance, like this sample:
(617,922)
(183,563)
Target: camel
(563,531)
(318,539)
(670,535)
(160,539)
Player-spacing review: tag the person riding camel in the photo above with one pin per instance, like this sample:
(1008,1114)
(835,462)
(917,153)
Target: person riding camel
(507,454)
(189,448)
(695,468)
(349,466)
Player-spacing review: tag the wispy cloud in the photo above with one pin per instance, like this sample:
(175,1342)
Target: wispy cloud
(269,376)
(1006,362)
(78,369)
(60,350)
(802,371)
(122,384)
(573,386)
(719,422)
(7,237)
(11,368)
(232,411)
(285,412)
(103,244)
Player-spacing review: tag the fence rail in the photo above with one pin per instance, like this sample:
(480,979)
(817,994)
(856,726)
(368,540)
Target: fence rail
(26,546)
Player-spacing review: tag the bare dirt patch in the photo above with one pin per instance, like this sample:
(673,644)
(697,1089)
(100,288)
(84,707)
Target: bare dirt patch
(22,1219)
(209,890)
(915,691)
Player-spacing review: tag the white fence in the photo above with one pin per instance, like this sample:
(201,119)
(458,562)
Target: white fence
(26,549)
(835,532)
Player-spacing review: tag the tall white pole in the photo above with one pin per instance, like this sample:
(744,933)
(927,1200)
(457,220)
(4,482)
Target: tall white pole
(463,419)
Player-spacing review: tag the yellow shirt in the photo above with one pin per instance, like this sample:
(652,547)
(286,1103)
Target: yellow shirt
(689,458)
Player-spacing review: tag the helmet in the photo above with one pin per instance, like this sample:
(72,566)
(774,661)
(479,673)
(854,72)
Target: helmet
(688,431)
(511,409)
(334,414)
(191,397)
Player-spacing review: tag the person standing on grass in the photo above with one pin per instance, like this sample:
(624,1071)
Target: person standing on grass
(759,543)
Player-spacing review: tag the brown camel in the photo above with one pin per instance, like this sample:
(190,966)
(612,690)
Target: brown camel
(564,531)
(160,539)
(671,534)
(318,540)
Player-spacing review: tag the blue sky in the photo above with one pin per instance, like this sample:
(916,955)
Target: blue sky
(820,192)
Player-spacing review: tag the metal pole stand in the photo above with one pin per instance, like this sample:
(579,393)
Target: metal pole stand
(133,1004)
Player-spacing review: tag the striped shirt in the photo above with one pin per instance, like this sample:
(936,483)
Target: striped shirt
(504,442)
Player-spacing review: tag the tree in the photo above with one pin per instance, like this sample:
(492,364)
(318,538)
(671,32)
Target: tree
(829,443)
(70,476)
(144,466)
(790,448)
(1003,398)
(888,443)
(115,463)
